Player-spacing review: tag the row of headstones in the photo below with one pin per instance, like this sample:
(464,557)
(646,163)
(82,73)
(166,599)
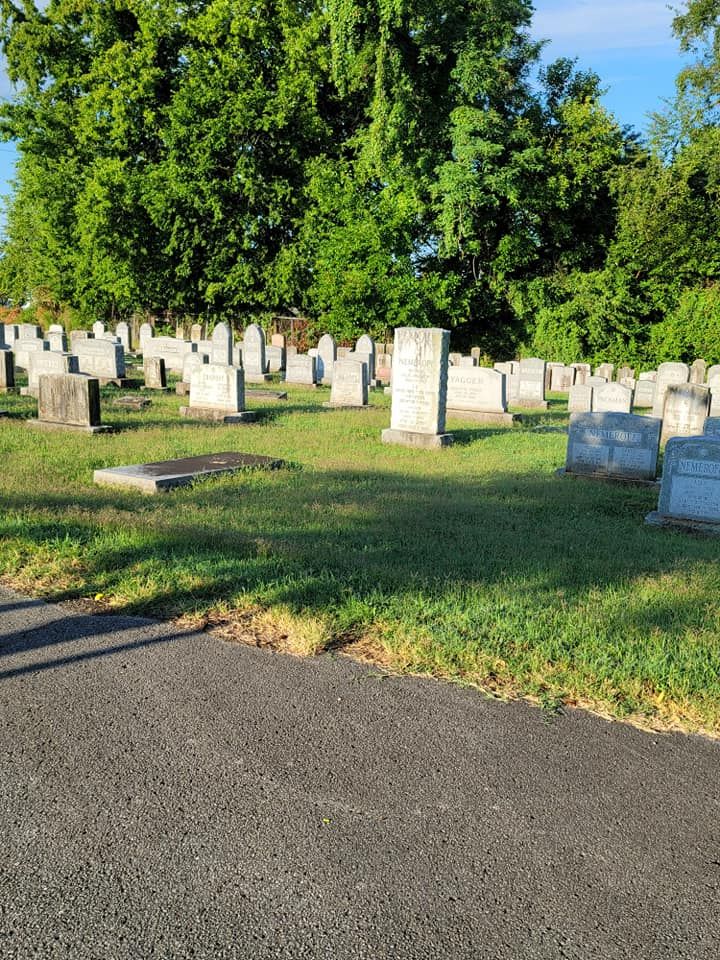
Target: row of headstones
(625,447)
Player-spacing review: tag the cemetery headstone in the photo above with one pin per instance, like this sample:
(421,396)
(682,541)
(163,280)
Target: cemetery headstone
(102,359)
(172,350)
(7,371)
(690,490)
(222,345)
(146,333)
(253,355)
(301,368)
(561,379)
(196,333)
(69,401)
(192,360)
(24,347)
(217,392)
(595,381)
(580,398)
(625,373)
(476,353)
(275,357)
(478,393)
(43,362)
(467,362)
(698,371)
(98,329)
(648,375)
(582,372)
(612,398)
(686,409)
(349,384)
(57,341)
(154,373)
(366,344)
(326,356)
(605,370)
(668,373)
(613,445)
(454,359)
(419,391)
(122,332)
(531,390)
(644,395)
(711,427)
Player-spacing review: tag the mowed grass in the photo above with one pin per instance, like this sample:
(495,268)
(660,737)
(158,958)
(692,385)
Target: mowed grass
(475,563)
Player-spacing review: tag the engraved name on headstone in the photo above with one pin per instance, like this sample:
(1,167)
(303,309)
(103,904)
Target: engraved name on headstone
(620,445)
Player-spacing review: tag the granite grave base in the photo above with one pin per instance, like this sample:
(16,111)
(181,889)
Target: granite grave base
(164,475)
(483,416)
(219,416)
(604,478)
(71,427)
(656,519)
(266,395)
(427,441)
(531,404)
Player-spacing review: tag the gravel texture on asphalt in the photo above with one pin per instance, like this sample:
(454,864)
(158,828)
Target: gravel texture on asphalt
(166,794)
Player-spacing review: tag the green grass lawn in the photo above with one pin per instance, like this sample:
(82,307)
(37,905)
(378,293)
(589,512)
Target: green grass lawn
(474,563)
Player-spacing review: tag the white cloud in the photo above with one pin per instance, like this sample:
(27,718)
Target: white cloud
(583,26)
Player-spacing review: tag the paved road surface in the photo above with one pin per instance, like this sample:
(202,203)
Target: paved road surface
(168,795)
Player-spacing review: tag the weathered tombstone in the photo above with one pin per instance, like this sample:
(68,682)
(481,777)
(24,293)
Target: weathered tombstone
(69,401)
(561,379)
(713,383)
(605,370)
(7,371)
(301,368)
(349,384)
(366,344)
(580,398)
(690,490)
(478,393)
(548,373)
(23,349)
(253,355)
(9,333)
(57,341)
(154,373)
(275,357)
(191,361)
(454,359)
(613,445)
(98,329)
(686,409)
(667,373)
(625,373)
(217,392)
(77,335)
(467,362)
(383,368)
(697,371)
(595,381)
(326,356)
(531,391)
(196,333)
(122,332)
(278,340)
(145,335)
(420,372)
(102,359)
(476,353)
(711,427)
(582,372)
(612,398)
(172,350)
(644,395)
(42,362)
(648,375)
(222,345)
(291,350)
(30,331)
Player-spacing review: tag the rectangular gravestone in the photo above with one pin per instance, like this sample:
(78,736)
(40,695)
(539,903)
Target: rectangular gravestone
(166,474)
(605,370)
(690,490)
(561,379)
(7,371)
(478,393)
(57,341)
(612,398)
(582,372)
(711,427)
(301,368)
(349,384)
(221,345)
(326,357)
(154,373)
(644,395)
(192,360)
(531,390)
(275,357)
(102,359)
(254,359)
(667,374)
(47,362)
(172,351)
(686,408)
(580,398)
(69,402)
(618,446)
(23,348)
(217,392)
(419,390)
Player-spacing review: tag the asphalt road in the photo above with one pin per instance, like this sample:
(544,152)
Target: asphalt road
(169,795)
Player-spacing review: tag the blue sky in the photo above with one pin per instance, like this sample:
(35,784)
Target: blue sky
(629,43)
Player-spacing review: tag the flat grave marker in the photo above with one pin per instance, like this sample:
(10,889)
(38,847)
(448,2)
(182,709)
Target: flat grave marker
(164,475)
